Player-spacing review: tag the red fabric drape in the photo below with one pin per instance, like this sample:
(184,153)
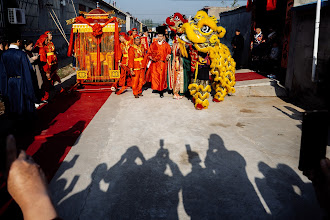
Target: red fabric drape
(117,45)
(97,28)
(70,50)
(248,5)
(271,5)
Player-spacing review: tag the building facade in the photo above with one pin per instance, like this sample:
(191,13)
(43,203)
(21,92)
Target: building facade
(237,19)
(299,71)
(34,18)
(215,11)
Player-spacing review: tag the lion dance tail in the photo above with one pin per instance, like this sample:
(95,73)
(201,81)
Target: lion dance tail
(223,71)
(200,90)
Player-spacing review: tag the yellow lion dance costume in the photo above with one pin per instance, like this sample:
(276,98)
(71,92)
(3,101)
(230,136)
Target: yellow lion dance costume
(205,35)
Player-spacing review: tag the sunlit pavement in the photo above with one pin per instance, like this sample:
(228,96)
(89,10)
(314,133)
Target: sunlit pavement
(153,158)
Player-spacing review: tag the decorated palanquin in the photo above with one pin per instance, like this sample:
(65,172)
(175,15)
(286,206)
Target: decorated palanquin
(95,43)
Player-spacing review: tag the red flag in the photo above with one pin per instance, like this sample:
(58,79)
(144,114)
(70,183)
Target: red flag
(271,5)
(248,5)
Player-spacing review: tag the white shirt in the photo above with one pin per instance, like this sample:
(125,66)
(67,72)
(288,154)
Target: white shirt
(13,46)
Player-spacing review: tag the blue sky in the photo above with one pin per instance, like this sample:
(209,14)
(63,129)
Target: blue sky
(159,10)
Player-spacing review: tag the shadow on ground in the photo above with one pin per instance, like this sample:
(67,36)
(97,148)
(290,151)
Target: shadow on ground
(151,189)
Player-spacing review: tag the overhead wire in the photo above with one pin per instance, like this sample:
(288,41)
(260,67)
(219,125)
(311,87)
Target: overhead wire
(74,8)
(59,23)
(63,34)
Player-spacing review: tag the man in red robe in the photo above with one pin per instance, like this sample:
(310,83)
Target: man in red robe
(125,79)
(159,53)
(134,32)
(49,61)
(136,64)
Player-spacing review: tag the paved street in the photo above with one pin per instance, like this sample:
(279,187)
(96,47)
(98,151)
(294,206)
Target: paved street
(153,158)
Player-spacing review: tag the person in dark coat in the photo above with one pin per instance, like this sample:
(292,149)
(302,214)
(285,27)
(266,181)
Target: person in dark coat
(238,46)
(16,84)
(38,76)
(3,46)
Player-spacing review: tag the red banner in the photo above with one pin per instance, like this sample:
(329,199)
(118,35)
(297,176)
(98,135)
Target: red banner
(271,5)
(248,5)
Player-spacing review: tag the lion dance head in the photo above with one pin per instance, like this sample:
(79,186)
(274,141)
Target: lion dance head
(202,31)
(175,22)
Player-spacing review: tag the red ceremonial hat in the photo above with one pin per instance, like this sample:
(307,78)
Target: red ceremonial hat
(134,29)
(122,33)
(41,40)
(136,36)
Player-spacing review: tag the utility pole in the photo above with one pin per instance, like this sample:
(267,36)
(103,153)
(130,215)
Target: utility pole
(316,39)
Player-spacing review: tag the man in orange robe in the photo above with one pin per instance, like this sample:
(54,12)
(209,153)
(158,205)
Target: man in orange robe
(125,80)
(159,53)
(136,64)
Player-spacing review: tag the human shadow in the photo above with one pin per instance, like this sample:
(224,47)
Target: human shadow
(72,207)
(143,191)
(60,184)
(26,133)
(221,189)
(285,194)
(139,188)
(53,151)
(198,190)
(296,115)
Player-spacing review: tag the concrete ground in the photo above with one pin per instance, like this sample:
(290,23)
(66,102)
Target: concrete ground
(152,158)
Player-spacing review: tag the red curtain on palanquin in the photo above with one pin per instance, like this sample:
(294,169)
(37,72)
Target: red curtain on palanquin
(271,5)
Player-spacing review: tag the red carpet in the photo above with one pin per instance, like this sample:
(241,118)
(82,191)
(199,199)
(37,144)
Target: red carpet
(50,138)
(248,76)
(60,123)
(53,134)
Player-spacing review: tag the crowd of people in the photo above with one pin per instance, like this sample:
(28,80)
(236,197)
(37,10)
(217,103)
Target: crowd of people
(28,72)
(151,60)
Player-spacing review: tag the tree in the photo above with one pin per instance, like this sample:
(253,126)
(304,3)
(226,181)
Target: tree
(148,23)
(234,4)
